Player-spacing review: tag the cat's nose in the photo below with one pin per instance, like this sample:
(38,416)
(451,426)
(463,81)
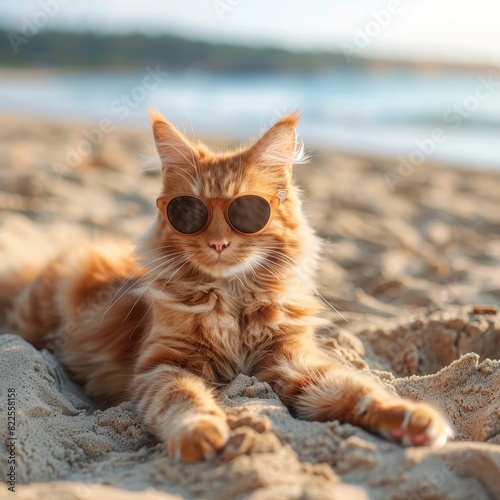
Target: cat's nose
(219,245)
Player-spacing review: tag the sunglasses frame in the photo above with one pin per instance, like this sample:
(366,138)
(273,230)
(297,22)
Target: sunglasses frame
(273,201)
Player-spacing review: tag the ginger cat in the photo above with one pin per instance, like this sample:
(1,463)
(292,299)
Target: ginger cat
(215,289)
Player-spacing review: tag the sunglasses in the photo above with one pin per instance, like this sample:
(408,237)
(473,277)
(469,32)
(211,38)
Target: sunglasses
(246,213)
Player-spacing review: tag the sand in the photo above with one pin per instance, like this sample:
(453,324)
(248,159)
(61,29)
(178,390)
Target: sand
(405,260)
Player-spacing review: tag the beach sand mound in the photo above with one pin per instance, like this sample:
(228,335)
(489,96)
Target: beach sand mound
(62,437)
(405,260)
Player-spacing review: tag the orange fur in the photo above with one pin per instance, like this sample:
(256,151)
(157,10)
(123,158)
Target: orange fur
(171,324)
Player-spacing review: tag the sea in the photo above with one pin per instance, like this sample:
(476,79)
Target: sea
(450,117)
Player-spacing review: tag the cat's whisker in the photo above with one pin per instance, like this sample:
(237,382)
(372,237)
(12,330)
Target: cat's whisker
(190,124)
(154,299)
(164,260)
(171,263)
(157,258)
(179,259)
(271,268)
(271,271)
(240,280)
(251,269)
(191,162)
(160,290)
(145,161)
(114,300)
(183,173)
(297,272)
(319,295)
(156,249)
(293,266)
(163,251)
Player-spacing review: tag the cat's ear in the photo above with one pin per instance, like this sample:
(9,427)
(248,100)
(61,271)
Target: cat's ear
(172,145)
(276,151)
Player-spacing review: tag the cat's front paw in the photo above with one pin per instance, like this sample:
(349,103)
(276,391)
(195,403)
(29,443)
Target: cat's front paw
(410,424)
(198,436)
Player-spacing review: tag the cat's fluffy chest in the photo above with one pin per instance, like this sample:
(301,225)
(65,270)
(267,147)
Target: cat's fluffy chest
(228,331)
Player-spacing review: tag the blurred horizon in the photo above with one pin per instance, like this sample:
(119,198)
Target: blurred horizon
(414,81)
(422,31)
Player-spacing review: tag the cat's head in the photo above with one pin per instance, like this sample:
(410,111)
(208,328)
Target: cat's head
(263,168)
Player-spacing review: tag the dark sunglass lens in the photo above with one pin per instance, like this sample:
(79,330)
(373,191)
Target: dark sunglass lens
(187,214)
(249,214)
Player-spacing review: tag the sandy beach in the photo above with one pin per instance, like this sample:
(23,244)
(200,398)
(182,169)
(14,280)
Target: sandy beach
(409,264)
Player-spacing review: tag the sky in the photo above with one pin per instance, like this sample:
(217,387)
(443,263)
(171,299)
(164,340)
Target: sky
(442,30)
